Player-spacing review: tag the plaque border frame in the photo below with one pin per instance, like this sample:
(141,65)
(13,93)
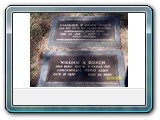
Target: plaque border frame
(149,60)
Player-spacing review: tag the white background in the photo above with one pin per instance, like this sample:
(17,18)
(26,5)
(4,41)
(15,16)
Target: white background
(154,115)
(21,50)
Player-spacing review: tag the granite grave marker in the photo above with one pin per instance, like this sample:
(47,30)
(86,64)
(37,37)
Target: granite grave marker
(85,32)
(83,69)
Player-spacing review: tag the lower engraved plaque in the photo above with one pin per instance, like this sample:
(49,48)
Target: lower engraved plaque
(82,69)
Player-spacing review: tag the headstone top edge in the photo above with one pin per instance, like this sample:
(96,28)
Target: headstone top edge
(89,17)
(104,52)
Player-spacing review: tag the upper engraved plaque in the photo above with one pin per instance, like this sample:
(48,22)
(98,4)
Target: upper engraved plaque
(91,30)
(85,32)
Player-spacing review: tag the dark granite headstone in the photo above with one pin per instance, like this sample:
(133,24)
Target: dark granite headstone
(85,32)
(83,69)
